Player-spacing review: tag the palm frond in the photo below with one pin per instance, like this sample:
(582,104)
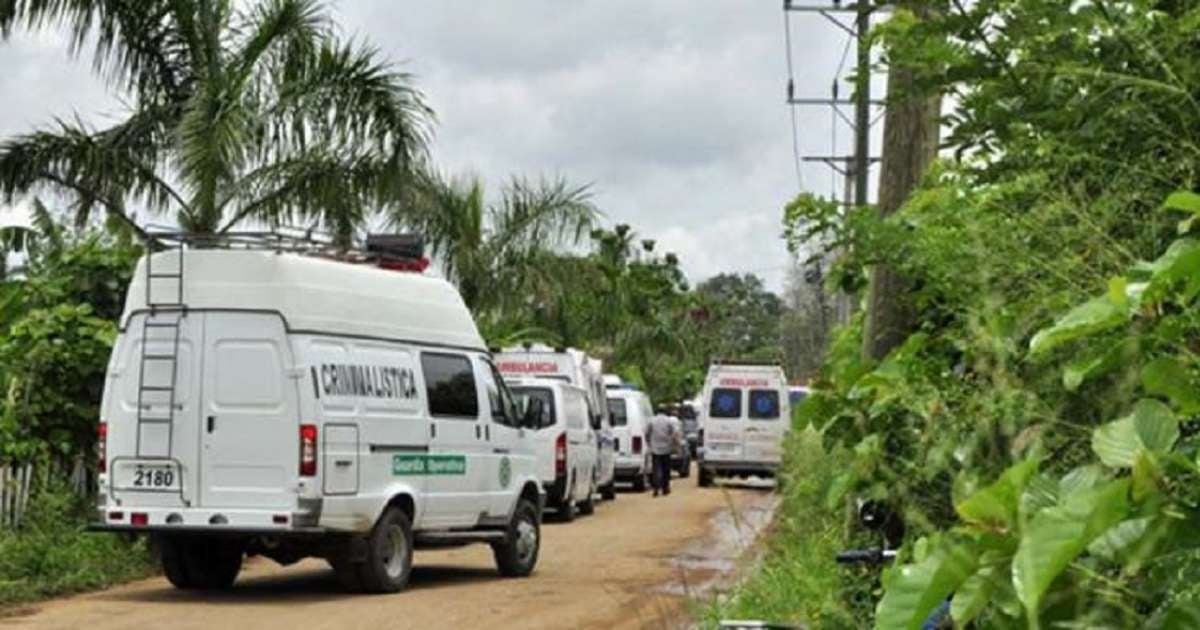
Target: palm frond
(99,167)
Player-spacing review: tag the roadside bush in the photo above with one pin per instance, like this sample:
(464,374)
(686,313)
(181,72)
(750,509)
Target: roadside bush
(797,579)
(51,554)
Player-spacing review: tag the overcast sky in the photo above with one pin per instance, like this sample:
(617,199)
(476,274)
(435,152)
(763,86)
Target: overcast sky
(672,109)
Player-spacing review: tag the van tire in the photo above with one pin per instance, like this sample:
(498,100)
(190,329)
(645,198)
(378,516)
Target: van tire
(192,563)
(174,562)
(639,483)
(566,506)
(609,492)
(514,557)
(382,571)
(588,506)
(704,477)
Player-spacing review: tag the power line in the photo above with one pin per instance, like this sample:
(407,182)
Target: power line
(791,87)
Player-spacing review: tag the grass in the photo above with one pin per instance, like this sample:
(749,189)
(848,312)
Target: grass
(797,580)
(51,554)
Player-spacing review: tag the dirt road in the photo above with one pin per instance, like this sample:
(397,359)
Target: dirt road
(624,567)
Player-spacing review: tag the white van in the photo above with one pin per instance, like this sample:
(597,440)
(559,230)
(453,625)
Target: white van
(630,411)
(290,405)
(566,445)
(744,416)
(573,366)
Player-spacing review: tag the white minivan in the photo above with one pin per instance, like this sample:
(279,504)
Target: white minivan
(744,415)
(565,444)
(630,411)
(572,366)
(287,404)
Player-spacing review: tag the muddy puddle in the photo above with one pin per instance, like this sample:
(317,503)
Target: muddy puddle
(707,565)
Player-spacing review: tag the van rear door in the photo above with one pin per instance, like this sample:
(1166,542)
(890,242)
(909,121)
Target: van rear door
(724,422)
(153,447)
(766,410)
(250,414)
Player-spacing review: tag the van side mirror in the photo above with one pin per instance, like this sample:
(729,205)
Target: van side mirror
(532,418)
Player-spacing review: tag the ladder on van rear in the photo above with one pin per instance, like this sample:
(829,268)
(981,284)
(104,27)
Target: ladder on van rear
(156,400)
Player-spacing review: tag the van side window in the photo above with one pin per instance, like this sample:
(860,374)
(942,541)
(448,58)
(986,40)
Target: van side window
(504,408)
(617,413)
(764,404)
(450,386)
(726,403)
(576,410)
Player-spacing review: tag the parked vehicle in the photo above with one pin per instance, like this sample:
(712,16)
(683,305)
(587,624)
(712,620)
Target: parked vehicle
(630,410)
(286,404)
(686,412)
(577,368)
(565,444)
(743,420)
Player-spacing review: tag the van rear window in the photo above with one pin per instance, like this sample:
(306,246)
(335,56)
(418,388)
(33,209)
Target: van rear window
(525,394)
(618,413)
(726,403)
(450,385)
(764,404)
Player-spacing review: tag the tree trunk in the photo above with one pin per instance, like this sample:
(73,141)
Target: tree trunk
(910,143)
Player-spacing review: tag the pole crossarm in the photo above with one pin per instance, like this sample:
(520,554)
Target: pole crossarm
(831,101)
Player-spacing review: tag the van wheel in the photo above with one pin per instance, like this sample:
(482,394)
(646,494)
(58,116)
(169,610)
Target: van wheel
(518,554)
(685,468)
(704,478)
(609,492)
(566,505)
(639,483)
(389,553)
(201,563)
(175,563)
(588,506)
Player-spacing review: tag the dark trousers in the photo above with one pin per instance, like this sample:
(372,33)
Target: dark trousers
(662,472)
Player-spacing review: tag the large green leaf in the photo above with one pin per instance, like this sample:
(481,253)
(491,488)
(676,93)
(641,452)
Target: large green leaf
(912,591)
(1091,317)
(1167,377)
(1151,426)
(1096,365)
(1181,262)
(1183,200)
(975,594)
(1057,535)
(996,505)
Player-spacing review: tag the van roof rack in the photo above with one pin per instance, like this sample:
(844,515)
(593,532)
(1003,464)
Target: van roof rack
(388,250)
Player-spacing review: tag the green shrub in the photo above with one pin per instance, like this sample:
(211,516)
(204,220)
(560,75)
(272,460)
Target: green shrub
(798,579)
(51,554)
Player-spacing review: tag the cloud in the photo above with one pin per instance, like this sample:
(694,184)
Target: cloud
(673,109)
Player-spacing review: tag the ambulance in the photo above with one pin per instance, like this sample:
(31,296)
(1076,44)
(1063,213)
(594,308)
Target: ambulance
(575,367)
(275,397)
(744,416)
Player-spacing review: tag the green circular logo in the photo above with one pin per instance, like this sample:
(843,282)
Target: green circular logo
(505,472)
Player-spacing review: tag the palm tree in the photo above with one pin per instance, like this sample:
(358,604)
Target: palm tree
(487,250)
(239,112)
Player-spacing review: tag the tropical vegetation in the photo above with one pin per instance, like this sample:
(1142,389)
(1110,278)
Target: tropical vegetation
(1036,429)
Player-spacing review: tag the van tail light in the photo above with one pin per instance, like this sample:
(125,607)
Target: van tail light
(102,447)
(308,450)
(637,445)
(560,455)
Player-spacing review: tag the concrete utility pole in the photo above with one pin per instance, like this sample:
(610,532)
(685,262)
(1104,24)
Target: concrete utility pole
(856,167)
(910,145)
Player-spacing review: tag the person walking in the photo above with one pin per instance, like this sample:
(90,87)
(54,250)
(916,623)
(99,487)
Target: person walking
(662,434)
